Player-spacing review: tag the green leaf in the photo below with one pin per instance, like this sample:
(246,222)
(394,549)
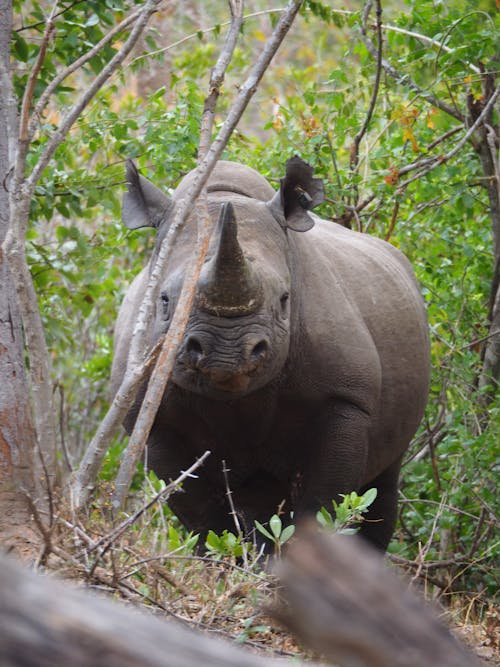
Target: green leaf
(21,49)
(287,533)
(275,525)
(263,530)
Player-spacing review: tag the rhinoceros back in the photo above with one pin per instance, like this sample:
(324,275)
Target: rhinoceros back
(231,177)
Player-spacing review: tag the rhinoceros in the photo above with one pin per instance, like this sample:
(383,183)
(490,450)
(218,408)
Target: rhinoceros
(305,362)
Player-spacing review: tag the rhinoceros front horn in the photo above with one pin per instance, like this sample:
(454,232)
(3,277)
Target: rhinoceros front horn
(229,286)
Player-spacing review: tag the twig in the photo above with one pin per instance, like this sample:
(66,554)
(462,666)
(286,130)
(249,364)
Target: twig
(32,26)
(404,80)
(49,90)
(376,85)
(439,160)
(161,495)
(203,31)
(423,552)
(229,496)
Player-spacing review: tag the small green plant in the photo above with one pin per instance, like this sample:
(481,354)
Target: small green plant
(226,544)
(277,533)
(179,542)
(250,629)
(346,513)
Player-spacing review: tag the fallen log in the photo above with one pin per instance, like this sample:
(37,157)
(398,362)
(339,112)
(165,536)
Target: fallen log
(47,623)
(341,600)
(344,602)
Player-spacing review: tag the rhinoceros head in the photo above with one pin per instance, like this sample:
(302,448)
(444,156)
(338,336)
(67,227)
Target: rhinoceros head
(238,335)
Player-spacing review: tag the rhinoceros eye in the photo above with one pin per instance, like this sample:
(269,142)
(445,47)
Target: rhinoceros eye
(165,301)
(284,302)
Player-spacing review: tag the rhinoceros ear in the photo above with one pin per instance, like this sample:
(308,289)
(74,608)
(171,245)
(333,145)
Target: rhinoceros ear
(143,205)
(299,193)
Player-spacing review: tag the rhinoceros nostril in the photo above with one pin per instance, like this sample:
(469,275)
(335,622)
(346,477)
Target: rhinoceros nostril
(259,351)
(194,349)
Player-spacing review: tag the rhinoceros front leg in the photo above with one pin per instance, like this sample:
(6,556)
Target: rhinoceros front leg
(201,505)
(340,452)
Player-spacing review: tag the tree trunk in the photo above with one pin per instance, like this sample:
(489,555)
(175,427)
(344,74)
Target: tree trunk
(17,436)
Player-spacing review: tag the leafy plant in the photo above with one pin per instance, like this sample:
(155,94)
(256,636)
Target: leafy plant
(277,533)
(226,544)
(346,513)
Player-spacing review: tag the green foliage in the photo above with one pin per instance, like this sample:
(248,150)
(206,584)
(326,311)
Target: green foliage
(347,513)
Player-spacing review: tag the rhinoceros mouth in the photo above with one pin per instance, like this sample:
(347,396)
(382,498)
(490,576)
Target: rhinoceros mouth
(215,382)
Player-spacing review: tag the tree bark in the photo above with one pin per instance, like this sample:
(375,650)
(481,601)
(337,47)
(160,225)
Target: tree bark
(17,437)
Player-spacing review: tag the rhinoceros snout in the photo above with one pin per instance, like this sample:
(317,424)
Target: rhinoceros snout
(198,355)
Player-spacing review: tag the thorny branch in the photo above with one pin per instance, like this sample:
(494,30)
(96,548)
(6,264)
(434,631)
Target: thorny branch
(161,495)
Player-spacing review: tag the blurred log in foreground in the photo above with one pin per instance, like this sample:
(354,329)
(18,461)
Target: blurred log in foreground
(342,601)
(46,623)
(345,603)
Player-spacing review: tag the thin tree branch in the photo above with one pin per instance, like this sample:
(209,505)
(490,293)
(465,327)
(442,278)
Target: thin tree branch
(74,112)
(404,80)
(376,85)
(217,76)
(32,26)
(32,79)
(45,97)
(429,165)
(161,495)
(392,224)
(196,34)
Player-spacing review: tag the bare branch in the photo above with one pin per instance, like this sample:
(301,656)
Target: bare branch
(431,163)
(376,84)
(217,76)
(234,514)
(161,495)
(74,112)
(45,97)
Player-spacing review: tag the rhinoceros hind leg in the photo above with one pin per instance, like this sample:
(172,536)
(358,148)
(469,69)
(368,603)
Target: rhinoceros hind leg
(382,515)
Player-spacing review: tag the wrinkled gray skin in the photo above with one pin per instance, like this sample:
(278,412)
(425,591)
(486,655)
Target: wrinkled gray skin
(305,363)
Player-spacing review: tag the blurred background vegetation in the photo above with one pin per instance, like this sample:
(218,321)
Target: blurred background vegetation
(312,102)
